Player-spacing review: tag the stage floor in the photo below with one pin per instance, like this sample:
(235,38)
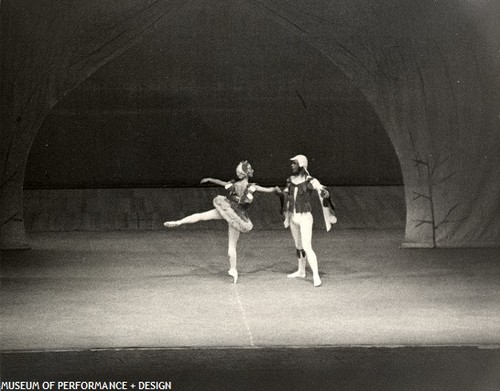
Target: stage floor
(159,306)
(170,289)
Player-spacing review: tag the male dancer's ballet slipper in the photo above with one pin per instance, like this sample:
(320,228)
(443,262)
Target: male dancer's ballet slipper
(297,274)
(233,273)
(171,224)
(301,269)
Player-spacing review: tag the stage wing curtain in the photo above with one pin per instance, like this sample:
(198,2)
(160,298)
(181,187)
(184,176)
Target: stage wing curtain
(431,70)
(47,48)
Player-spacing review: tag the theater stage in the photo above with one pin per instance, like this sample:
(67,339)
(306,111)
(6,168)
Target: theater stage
(168,292)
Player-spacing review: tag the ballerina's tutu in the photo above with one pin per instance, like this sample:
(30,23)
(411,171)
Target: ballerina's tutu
(234,213)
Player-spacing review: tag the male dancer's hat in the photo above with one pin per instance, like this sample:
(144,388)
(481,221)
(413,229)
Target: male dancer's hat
(302,161)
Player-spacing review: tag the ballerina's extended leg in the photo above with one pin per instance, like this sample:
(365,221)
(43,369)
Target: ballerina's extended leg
(212,214)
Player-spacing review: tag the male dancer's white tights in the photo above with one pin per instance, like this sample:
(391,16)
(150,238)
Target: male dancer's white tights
(301,227)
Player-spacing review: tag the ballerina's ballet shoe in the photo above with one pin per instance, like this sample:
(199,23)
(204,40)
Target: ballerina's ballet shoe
(233,273)
(297,274)
(171,224)
(316,281)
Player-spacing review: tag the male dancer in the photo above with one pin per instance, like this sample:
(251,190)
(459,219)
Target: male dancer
(296,198)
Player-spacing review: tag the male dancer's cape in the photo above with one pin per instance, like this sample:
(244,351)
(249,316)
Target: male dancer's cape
(327,206)
(328,209)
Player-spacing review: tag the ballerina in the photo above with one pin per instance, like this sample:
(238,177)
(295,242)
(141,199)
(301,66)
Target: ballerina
(232,208)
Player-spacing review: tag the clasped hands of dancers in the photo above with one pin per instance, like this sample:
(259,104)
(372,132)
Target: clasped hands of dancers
(296,207)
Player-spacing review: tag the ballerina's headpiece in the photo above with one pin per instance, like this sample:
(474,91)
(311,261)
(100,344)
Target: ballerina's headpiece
(244,169)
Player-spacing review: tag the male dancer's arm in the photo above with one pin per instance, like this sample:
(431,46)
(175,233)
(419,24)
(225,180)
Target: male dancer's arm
(274,189)
(323,190)
(326,203)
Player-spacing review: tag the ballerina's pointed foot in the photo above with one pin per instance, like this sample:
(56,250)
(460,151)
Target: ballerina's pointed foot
(317,281)
(171,224)
(297,274)
(233,273)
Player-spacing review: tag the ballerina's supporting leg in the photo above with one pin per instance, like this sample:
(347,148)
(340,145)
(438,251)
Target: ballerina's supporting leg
(212,214)
(233,236)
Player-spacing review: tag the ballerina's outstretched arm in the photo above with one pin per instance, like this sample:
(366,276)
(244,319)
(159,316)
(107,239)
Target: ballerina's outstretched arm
(216,181)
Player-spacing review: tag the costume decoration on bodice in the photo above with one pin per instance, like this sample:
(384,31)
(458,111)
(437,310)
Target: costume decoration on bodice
(239,194)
